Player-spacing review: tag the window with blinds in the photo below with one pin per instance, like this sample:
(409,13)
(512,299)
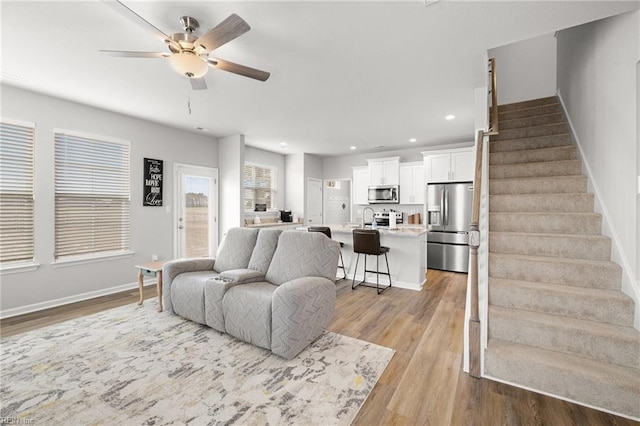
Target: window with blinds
(259,187)
(92,196)
(16,192)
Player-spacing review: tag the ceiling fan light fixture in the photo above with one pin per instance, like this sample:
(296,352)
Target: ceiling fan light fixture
(188,64)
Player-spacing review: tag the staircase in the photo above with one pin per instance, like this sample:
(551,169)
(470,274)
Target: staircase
(558,322)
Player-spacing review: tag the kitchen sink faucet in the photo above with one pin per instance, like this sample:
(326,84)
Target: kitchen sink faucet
(363,214)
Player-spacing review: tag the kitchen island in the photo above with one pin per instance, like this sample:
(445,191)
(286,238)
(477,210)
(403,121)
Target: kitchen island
(407,256)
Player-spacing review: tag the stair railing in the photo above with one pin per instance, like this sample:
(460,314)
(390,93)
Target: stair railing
(475,325)
(494,127)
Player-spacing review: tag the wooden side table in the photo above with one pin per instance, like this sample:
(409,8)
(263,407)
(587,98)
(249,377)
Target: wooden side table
(151,269)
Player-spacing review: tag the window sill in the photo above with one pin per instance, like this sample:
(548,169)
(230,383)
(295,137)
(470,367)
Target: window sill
(81,260)
(18,268)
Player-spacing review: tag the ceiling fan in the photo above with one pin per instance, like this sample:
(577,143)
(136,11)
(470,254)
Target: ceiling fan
(189,54)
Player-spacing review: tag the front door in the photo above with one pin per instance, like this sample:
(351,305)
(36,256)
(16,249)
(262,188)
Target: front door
(196,211)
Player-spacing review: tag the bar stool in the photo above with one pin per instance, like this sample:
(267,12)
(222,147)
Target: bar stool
(327,231)
(367,242)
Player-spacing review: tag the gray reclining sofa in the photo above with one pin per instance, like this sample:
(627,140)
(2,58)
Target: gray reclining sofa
(270,288)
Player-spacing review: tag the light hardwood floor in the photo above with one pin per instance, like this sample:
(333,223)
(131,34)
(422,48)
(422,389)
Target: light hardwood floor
(424,383)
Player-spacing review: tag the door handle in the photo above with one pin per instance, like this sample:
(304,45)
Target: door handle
(180,227)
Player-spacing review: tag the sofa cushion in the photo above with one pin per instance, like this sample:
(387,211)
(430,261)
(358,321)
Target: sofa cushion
(303,254)
(187,295)
(236,248)
(265,247)
(247,312)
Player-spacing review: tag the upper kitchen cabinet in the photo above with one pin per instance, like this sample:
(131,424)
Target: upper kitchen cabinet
(412,183)
(455,165)
(360,185)
(384,171)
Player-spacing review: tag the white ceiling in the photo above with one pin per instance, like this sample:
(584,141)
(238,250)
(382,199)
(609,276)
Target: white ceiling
(368,74)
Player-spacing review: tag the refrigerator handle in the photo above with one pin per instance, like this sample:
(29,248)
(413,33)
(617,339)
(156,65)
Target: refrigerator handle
(446,207)
(442,212)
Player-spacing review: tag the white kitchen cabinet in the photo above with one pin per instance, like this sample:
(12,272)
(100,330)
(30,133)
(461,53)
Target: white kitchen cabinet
(384,171)
(360,185)
(456,165)
(412,183)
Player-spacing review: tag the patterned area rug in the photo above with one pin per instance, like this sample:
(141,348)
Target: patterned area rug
(134,366)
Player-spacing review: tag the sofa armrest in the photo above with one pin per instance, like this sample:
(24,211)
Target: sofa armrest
(300,310)
(242,276)
(173,268)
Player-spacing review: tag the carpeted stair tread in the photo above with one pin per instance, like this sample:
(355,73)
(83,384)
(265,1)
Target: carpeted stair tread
(595,247)
(608,306)
(532,131)
(609,387)
(558,321)
(577,272)
(553,222)
(538,185)
(549,100)
(537,155)
(537,169)
(528,112)
(613,344)
(568,202)
(562,139)
(530,121)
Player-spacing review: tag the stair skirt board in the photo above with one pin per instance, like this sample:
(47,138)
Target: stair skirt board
(560,397)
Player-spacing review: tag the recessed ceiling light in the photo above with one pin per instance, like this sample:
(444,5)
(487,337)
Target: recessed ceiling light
(283,144)
(450,117)
(412,140)
(352,147)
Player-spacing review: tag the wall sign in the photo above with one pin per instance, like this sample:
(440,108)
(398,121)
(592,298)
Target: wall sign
(152,192)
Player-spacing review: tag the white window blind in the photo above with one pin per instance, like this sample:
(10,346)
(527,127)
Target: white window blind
(92,196)
(16,193)
(259,186)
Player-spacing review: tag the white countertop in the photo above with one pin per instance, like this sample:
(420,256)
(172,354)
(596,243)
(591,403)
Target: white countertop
(402,231)
(272,224)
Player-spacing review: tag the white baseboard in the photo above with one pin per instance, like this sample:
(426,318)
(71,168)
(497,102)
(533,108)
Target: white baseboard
(384,282)
(7,313)
(630,286)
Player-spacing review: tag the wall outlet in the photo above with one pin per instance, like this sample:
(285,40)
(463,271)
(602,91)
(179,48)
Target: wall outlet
(154,257)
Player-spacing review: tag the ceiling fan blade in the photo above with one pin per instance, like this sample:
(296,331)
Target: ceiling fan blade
(198,83)
(239,69)
(122,9)
(128,54)
(232,27)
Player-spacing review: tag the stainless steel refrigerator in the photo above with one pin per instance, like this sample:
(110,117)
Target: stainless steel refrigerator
(448,218)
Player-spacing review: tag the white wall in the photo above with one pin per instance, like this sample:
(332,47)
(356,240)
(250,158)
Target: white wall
(597,66)
(294,183)
(151,227)
(526,70)
(231,176)
(272,159)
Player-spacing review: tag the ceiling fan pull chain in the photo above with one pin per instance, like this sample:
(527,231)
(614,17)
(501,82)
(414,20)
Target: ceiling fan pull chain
(188,96)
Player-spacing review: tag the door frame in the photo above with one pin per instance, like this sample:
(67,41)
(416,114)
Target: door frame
(213,212)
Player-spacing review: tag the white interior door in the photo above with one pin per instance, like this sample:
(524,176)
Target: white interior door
(336,201)
(196,211)
(313,213)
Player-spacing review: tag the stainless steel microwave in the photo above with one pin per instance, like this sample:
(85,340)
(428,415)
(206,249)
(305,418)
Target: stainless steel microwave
(384,194)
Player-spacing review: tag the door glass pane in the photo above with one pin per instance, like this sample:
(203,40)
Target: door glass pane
(196,220)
